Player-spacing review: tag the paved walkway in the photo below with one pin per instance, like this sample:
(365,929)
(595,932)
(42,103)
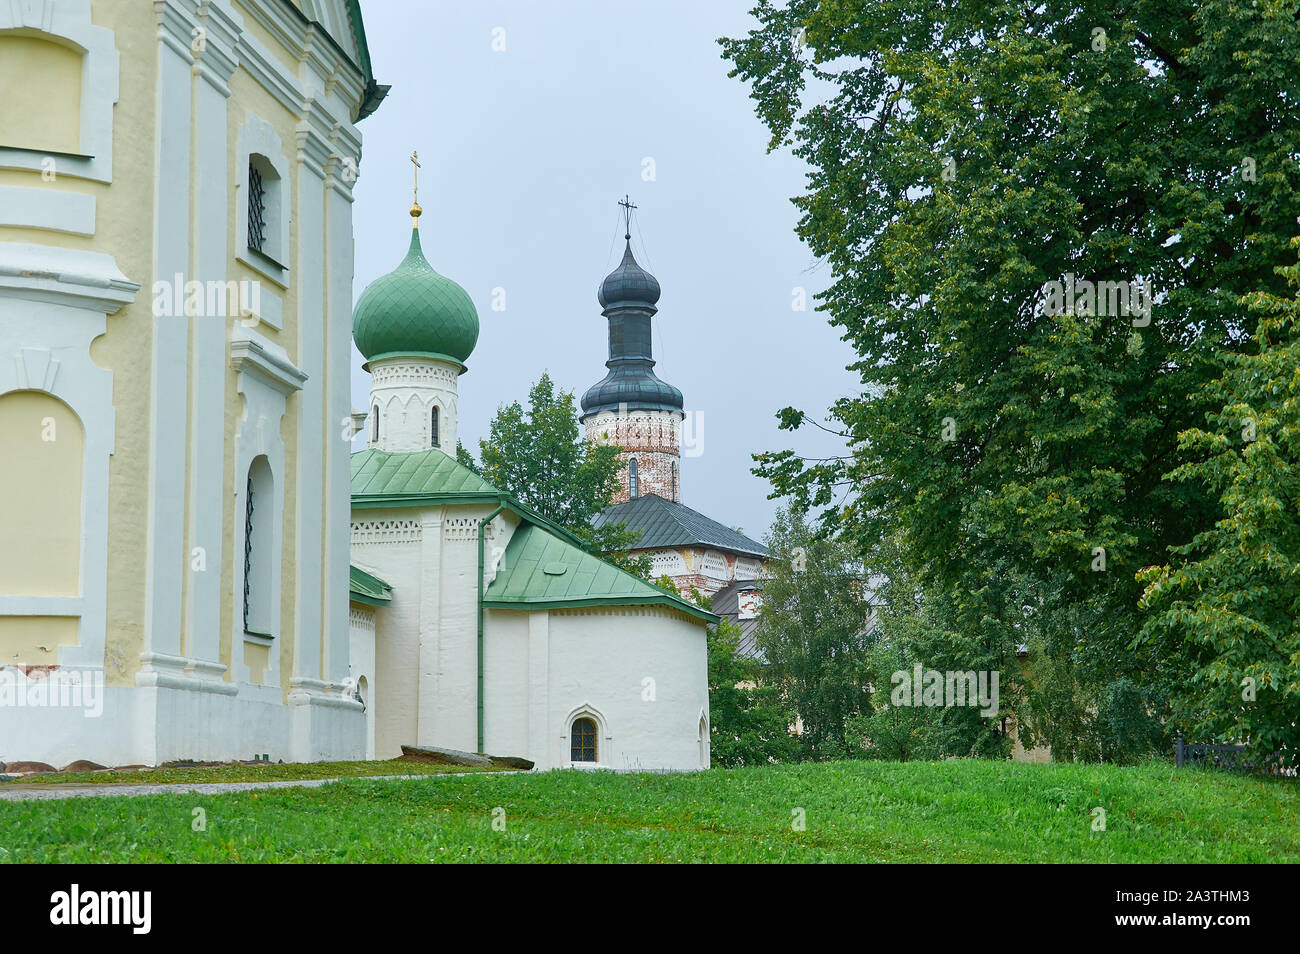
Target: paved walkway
(17,792)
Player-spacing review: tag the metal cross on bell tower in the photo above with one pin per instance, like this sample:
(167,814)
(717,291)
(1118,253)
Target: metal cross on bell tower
(628,206)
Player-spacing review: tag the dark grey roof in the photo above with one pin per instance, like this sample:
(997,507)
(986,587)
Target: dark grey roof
(663,523)
(726,602)
(628,297)
(631,385)
(628,283)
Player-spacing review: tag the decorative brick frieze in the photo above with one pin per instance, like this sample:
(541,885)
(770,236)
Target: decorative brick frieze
(707,570)
(385,531)
(653,440)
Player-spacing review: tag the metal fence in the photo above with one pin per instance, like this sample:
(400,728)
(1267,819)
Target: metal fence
(1232,758)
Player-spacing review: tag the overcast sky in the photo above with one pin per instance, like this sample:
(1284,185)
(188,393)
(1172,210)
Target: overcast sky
(525,152)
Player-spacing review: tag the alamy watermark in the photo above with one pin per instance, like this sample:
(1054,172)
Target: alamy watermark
(59,689)
(131,909)
(930,687)
(1074,296)
(210,299)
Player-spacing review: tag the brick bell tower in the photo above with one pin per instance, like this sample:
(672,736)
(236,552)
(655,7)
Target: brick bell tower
(630,406)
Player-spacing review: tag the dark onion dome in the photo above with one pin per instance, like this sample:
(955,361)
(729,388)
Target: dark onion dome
(628,283)
(628,297)
(636,387)
(415,311)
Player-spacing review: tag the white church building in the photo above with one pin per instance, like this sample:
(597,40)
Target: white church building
(476,623)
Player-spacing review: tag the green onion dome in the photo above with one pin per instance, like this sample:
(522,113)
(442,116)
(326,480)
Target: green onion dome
(415,311)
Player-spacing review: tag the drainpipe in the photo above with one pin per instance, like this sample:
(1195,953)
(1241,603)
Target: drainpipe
(481,528)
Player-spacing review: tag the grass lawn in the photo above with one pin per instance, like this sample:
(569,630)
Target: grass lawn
(854,811)
(267,772)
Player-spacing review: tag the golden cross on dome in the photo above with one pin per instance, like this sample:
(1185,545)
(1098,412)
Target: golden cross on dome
(415,205)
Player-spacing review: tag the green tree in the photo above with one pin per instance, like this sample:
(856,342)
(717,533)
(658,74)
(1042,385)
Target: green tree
(813,632)
(965,153)
(538,456)
(1074,702)
(1230,599)
(749,724)
(973,628)
(889,732)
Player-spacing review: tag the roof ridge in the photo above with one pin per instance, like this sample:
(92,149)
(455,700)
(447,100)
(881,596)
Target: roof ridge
(647,517)
(642,590)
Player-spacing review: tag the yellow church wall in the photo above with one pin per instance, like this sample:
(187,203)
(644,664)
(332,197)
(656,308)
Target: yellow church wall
(35,640)
(254,28)
(113,489)
(288,561)
(249,98)
(228,531)
(124,229)
(27,61)
(40,537)
(258,658)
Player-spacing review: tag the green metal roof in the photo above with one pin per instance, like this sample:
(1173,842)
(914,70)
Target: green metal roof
(365,588)
(545,565)
(414,310)
(542,571)
(663,523)
(382,479)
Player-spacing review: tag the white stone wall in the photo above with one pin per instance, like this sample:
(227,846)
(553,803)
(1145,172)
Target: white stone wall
(154,724)
(389,545)
(641,673)
(426,655)
(361,674)
(540,668)
(405,391)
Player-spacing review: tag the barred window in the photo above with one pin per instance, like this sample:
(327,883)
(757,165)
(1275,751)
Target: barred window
(259,555)
(631,478)
(248,544)
(433,429)
(256,208)
(582,740)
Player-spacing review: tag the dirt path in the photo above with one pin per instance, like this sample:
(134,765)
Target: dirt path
(16,792)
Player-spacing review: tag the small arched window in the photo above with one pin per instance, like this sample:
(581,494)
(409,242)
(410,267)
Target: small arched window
(631,478)
(676,498)
(582,740)
(374,423)
(433,428)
